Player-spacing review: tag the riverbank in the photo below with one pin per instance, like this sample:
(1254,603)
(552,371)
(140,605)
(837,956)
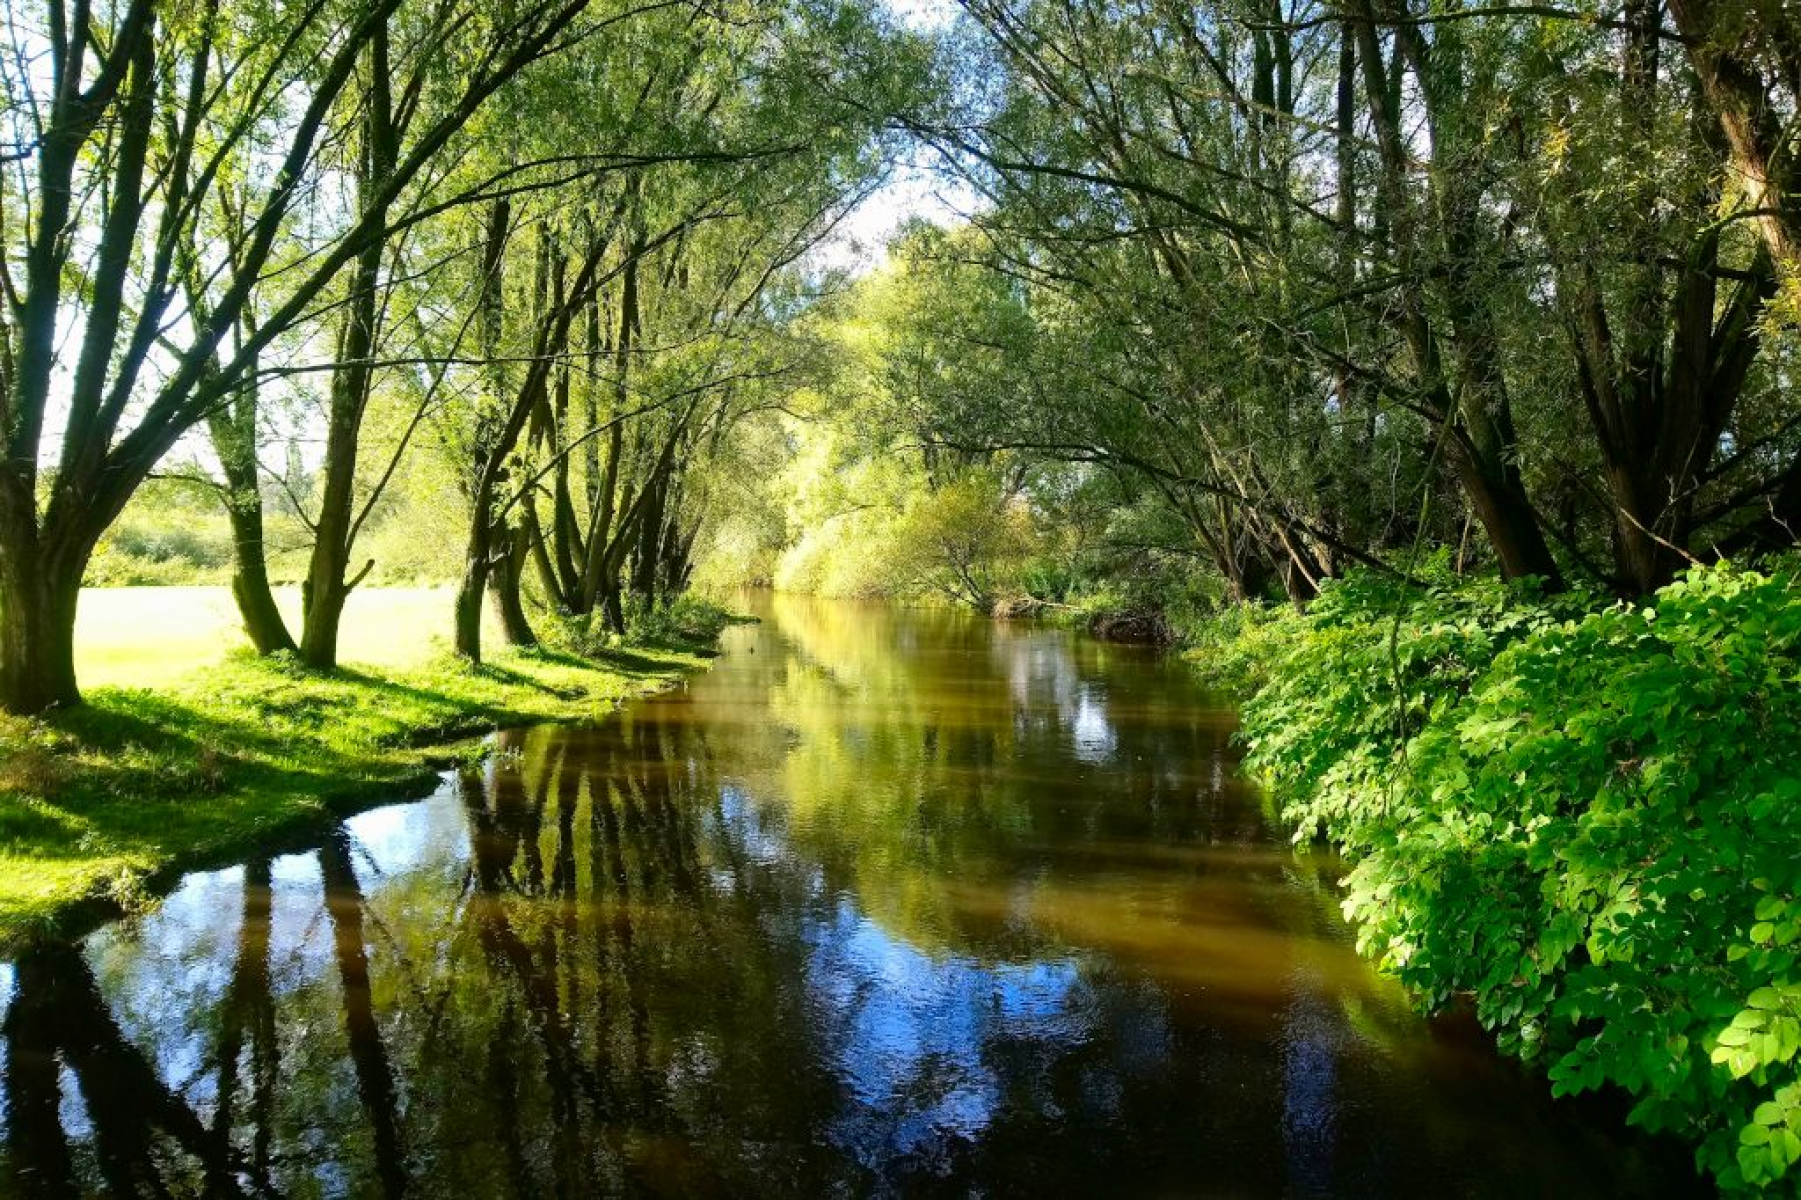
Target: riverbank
(1583,817)
(102,804)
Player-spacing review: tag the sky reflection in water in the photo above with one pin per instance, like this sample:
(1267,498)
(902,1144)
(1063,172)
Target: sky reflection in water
(990,914)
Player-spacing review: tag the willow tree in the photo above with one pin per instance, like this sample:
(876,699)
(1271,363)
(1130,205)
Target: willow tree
(121,135)
(630,323)
(1339,278)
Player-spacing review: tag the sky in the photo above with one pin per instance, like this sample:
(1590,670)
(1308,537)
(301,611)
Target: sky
(860,242)
(914,190)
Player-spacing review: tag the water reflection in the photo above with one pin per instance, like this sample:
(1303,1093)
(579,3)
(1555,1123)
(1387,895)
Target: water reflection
(886,903)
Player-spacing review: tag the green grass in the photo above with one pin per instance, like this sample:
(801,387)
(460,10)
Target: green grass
(193,750)
(146,636)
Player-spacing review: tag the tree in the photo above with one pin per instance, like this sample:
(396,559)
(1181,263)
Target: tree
(1342,282)
(122,140)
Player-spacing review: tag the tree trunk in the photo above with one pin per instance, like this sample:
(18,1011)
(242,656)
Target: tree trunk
(600,527)
(613,605)
(326,588)
(1740,99)
(1484,447)
(507,576)
(323,596)
(650,539)
(468,613)
(555,596)
(234,442)
(563,526)
(1499,500)
(39,590)
(263,622)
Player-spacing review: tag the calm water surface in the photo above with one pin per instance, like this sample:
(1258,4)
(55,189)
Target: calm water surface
(886,903)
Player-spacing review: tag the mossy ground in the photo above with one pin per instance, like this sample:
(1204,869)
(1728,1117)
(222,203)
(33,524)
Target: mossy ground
(100,803)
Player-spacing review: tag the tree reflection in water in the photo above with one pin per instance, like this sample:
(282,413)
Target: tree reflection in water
(896,903)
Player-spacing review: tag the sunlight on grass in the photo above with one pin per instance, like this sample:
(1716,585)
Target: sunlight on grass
(150,636)
(188,749)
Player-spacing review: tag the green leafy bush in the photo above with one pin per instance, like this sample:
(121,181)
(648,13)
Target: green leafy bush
(1234,649)
(172,533)
(686,621)
(1587,823)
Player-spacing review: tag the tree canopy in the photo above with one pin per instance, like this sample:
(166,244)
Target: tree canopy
(1244,297)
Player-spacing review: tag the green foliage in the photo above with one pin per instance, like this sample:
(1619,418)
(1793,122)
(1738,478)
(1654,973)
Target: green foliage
(685,620)
(967,541)
(1234,649)
(1586,823)
(1375,662)
(171,533)
(97,799)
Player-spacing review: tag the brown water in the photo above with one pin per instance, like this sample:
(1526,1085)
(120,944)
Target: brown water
(885,903)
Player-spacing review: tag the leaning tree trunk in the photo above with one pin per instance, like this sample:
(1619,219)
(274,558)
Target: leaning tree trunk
(1726,64)
(555,595)
(506,577)
(263,622)
(1499,500)
(1484,447)
(234,441)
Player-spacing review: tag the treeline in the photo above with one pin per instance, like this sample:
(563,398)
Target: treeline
(1329,284)
(542,255)
(1471,331)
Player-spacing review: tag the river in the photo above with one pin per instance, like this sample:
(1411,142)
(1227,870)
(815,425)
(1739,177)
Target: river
(887,902)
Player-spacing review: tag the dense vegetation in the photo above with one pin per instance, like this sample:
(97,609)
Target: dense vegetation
(1582,817)
(518,268)
(1467,333)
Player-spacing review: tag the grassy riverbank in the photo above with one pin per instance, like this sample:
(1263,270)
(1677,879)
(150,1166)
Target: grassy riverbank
(1582,816)
(99,803)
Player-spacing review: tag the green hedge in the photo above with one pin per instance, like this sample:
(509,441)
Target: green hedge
(1585,818)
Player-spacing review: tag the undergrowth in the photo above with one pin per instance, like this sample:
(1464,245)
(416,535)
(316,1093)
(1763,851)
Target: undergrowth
(686,621)
(1583,817)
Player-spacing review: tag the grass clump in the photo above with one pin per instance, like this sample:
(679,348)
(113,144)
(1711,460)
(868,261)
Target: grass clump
(100,801)
(1584,818)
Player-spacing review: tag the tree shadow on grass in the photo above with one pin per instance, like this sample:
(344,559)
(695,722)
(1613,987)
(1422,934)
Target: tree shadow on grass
(254,754)
(630,662)
(160,744)
(155,775)
(29,821)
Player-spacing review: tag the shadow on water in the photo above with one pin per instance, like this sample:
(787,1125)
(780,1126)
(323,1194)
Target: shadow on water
(886,903)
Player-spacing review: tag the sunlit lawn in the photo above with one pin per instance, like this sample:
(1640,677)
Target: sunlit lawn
(148,636)
(186,752)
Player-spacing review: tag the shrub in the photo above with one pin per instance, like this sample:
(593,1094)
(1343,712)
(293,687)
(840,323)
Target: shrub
(686,621)
(172,533)
(1233,649)
(1589,824)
